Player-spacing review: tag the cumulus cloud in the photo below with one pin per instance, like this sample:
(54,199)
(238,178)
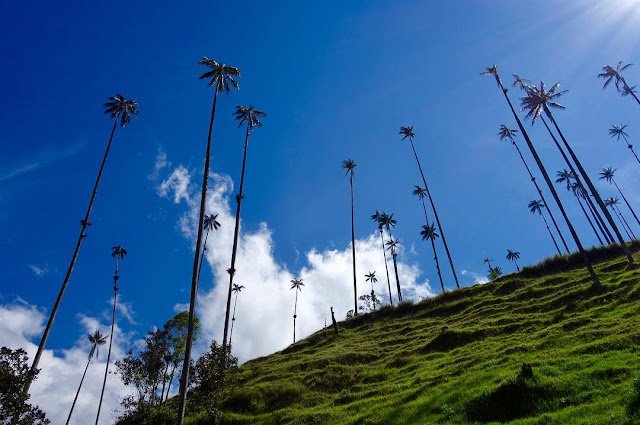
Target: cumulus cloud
(264,321)
(477,278)
(53,391)
(178,184)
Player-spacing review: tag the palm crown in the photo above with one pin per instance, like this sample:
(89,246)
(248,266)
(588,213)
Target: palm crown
(565,176)
(512,255)
(407,132)
(119,107)
(536,206)
(539,100)
(429,232)
(118,252)
(493,70)
(371,277)
(392,244)
(220,75)
(387,221)
(607,174)
(210,222)
(349,165)
(609,73)
(237,288)
(618,131)
(506,133)
(96,340)
(420,192)
(611,201)
(297,284)
(249,115)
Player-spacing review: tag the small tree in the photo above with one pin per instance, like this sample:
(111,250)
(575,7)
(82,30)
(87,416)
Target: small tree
(212,380)
(15,373)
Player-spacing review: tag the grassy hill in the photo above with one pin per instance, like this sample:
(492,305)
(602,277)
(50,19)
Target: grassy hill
(458,358)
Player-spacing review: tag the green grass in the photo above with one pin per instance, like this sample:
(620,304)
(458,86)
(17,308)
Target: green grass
(457,358)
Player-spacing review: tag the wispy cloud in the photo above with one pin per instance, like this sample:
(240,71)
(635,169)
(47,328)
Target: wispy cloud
(161,163)
(40,160)
(40,271)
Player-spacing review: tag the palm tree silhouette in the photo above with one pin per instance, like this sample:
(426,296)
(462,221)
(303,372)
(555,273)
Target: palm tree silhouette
(210,223)
(297,285)
(407,133)
(119,109)
(371,277)
(608,174)
(377,218)
(388,222)
(508,134)
(513,256)
(349,165)
(236,290)
(539,100)
(618,131)
(222,78)
(609,73)
(536,206)
(96,340)
(487,261)
(429,232)
(251,117)
(613,203)
(568,178)
(493,71)
(118,253)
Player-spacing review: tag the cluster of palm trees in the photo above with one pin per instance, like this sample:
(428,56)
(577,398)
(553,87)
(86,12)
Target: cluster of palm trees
(538,103)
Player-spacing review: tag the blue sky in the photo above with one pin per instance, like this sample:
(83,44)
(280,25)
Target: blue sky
(337,79)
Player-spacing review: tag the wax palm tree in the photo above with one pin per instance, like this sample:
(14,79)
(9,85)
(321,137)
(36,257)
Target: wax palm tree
(613,203)
(222,78)
(609,74)
(249,116)
(513,256)
(371,277)
(608,174)
(539,100)
(618,131)
(119,109)
(568,178)
(536,206)
(580,194)
(377,218)
(118,253)
(389,222)
(96,340)
(407,133)
(495,272)
(429,232)
(510,135)
(210,223)
(297,285)
(236,290)
(487,261)
(349,165)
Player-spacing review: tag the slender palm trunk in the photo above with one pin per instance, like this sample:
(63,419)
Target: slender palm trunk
(73,405)
(236,232)
(386,267)
(588,219)
(113,323)
(587,262)
(85,223)
(591,208)
(625,224)
(435,214)
(164,381)
(233,319)
(601,223)
(353,250)
(592,188)
(173,370)
(184,379)
(295,315)
(630,146)
(550,234)
(544,201)
(617,213)
(629,89)
(395,267)
(204,250)
(625,201)
(435,258)
(516,263)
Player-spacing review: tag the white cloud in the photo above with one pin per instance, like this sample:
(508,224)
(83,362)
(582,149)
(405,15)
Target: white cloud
(161,163)
(37,270)
(178,184)
(477,278)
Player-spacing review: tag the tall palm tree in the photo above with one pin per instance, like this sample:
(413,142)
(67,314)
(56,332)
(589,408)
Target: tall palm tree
(613,203)
(538,101)
(118,253)
(513,256)
(609,73)
(536,206)
(297,285)
(568,178)
(210,223)
(119,109)
(222,78)
(618,131)
(236,290)
(488,261)
(608,174)
(349,165)
(510,135)
(96,340)
(249,116)
(429,232)
(388,222)
(407,133)
(581,194)
(371,277)
(530,90)
(377,218)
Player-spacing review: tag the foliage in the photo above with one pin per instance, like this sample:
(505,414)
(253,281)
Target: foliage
(15,372)
(369,302)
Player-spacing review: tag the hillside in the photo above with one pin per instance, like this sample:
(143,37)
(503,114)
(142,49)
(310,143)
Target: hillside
(459,358)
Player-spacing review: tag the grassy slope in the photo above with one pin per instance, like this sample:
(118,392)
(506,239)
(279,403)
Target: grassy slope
(399,366)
